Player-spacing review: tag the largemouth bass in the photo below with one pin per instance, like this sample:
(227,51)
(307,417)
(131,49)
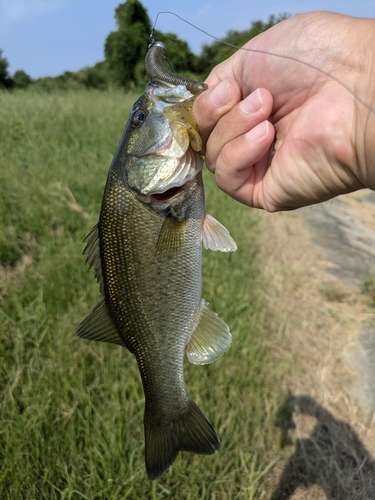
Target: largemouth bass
(146,251)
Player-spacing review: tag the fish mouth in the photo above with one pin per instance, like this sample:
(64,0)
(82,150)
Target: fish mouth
(167,194)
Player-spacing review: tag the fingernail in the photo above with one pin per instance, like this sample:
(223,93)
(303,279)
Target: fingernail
(252,103)
(220,95)
(258,132)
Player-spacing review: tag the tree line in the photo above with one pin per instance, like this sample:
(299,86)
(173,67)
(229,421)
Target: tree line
(125,50)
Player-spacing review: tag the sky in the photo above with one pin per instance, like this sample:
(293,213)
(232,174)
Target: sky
(48,37)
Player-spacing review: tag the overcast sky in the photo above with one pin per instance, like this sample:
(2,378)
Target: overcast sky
(48,37)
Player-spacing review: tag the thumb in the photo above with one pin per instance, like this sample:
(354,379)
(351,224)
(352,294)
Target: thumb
(212,104)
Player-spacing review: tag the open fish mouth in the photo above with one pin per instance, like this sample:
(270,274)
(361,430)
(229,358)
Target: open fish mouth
(167,195)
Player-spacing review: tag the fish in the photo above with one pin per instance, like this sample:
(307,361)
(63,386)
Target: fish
(146,252)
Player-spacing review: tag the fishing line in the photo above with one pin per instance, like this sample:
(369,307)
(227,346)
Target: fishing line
(274,54)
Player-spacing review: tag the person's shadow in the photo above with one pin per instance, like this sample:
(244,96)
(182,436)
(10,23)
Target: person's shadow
(332,456)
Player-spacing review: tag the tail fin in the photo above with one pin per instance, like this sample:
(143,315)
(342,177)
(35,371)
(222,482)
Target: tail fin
(190,431)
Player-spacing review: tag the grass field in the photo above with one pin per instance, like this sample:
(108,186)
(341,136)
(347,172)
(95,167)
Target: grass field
(71,410)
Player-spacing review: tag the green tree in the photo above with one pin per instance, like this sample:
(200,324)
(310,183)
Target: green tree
(127,46)
(218,51)
(21,79)
(94,77)
(5,80)
(178,52)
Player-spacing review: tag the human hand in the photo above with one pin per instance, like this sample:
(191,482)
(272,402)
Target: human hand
(280,135)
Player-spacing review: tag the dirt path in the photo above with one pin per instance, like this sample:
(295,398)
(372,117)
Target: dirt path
(318,259)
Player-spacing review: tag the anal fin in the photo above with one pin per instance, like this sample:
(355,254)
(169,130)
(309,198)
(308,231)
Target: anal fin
(210,338)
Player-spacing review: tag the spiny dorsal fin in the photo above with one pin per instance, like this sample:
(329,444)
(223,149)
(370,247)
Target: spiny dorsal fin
(216,237)
(92,251)
(99,326)
(171,238)
(210,338)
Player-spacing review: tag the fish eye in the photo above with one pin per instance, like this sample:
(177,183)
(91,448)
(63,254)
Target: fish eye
(138,117)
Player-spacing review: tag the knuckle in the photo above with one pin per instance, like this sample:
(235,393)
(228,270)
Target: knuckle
(225,157)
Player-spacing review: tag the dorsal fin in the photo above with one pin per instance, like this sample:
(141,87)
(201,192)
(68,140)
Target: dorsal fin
(92,251)
(99,326)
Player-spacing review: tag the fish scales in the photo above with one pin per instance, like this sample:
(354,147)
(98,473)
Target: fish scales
(155,299)
(146,251)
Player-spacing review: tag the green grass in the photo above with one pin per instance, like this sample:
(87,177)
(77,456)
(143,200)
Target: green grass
(71,410)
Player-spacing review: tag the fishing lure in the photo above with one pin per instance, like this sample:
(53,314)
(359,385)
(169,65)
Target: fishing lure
(155,68)
(273,54)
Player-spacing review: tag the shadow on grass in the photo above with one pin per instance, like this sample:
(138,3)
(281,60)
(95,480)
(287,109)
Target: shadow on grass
(332,456)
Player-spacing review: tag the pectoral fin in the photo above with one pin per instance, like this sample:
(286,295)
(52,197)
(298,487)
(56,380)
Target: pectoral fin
(216,237)
(210,339)
(99,326)
(171,237)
